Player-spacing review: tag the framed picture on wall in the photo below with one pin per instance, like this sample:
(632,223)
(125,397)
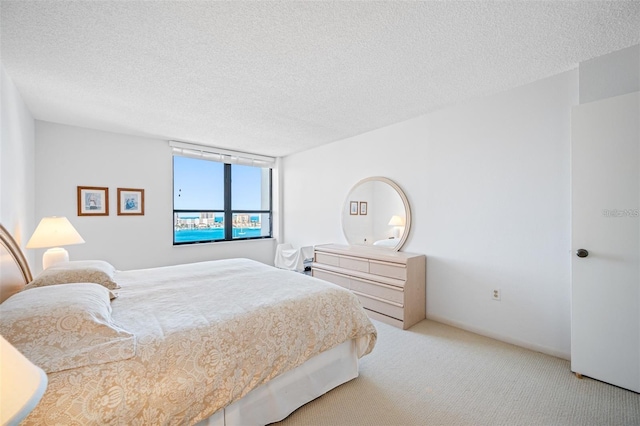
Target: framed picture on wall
(353,208)
(363,208)
(130,202)
(93,201)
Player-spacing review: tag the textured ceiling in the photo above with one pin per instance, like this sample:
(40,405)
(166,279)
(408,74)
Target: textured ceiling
(280,77)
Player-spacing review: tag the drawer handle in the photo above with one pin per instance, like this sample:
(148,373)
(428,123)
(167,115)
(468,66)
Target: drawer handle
(393,265)
(380,280)
(368,296)
(376,283)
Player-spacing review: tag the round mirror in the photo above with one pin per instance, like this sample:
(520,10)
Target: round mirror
(376,213)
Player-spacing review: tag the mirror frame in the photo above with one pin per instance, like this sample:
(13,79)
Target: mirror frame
(405,202)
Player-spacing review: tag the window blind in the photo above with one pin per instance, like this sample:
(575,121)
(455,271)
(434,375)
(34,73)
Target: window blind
(221,155)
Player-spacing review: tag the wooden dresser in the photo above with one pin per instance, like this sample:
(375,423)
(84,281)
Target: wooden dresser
(390,284)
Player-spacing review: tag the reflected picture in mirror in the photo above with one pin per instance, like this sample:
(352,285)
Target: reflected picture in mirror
(353,208)
(382,216)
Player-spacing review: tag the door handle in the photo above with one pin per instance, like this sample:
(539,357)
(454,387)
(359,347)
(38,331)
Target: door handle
(582,253)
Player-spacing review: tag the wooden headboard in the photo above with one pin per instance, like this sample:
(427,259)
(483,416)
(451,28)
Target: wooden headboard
(14,269)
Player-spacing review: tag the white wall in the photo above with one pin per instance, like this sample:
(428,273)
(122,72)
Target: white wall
(488,185)
(17,184)
(67,157)
(613,74)
(487,181)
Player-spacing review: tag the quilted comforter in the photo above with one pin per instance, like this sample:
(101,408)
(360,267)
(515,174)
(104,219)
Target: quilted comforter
(205,335)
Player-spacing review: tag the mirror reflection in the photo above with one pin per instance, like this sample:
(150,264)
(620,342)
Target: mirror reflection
(376,214)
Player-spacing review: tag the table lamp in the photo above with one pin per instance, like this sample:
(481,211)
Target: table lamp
(54,232)
(397,222)
(22,384)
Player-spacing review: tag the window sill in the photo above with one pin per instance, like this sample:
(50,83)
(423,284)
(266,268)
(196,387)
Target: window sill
(256,240)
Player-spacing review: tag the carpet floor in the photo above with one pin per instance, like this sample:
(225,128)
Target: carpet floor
(435,374)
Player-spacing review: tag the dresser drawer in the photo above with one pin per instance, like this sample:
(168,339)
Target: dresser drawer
(390,285)
(332,278)
(382,291)
(361,265)
(387,269)
(381,306)
(328,259)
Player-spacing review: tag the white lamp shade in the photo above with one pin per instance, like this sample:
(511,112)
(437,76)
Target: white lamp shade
(22,384)
(396,221)
(53,232)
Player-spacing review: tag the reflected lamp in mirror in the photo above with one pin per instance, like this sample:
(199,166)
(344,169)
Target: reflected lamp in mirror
(22,385)
(54,232)
(397,222)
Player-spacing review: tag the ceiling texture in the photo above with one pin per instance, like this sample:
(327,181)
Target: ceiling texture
(275,78)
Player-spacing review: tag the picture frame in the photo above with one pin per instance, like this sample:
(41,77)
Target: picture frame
(130,202)
(93,201)
(363,208)
(353,208)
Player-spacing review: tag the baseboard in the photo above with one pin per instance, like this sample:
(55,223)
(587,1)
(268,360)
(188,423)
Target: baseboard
(497,336)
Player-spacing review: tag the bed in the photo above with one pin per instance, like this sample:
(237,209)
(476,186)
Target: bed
(228,342)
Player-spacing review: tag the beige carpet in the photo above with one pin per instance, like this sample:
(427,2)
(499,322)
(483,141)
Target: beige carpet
(434,374)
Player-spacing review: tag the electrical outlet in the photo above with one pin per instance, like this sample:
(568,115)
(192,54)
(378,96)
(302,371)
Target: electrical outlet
(496,294)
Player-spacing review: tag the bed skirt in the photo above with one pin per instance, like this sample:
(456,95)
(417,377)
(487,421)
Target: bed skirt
(281,396)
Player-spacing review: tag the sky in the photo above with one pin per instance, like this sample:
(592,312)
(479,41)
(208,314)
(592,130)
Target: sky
(199,185)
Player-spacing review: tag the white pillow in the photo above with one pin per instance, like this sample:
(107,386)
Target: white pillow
(77,271)
(59,327)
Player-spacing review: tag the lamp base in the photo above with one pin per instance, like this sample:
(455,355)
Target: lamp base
(53,256)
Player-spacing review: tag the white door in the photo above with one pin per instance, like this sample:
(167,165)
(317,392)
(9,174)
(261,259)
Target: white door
(605,198)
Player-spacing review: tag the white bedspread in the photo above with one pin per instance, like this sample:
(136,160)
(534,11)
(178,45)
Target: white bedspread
(207,333)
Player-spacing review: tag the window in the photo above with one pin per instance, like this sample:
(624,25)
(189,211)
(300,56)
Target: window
(216,201)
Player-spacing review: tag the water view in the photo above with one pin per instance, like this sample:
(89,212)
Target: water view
(210,227)
(191,235)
